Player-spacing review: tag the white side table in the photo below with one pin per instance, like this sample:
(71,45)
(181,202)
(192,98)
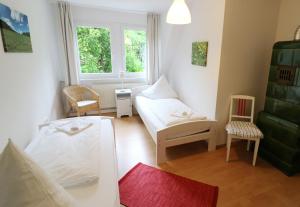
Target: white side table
(123,102)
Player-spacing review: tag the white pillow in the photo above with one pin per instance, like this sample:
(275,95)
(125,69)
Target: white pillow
(159,90)
(24,183)
(138,90)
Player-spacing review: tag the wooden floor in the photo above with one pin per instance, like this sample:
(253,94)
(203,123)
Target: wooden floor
(240,184)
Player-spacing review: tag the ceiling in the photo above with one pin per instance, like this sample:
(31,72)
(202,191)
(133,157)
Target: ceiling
(129,5)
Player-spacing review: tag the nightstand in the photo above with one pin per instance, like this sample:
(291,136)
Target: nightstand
(123,102)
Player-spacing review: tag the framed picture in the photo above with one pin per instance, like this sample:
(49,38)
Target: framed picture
(14,30)
(199,53)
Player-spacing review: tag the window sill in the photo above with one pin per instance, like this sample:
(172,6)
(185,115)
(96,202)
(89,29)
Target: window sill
(112,80)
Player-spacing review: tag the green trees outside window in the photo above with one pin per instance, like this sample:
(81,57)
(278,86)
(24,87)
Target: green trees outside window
(135,48)
(94,49)
(94,46)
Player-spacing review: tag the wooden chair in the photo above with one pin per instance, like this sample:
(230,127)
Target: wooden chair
(82,99)
(241,124)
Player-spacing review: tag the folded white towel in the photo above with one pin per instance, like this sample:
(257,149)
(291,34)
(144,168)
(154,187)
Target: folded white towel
(173,111)
(73,127)
(182,114)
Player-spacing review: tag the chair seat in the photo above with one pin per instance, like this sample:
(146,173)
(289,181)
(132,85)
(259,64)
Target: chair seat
(86,103)
(243,129)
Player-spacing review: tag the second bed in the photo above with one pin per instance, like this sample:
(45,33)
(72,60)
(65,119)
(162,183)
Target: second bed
(172,133)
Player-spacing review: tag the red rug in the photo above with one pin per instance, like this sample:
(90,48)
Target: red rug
(145,186)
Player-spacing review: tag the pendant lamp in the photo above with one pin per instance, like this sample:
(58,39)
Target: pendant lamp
(179,13)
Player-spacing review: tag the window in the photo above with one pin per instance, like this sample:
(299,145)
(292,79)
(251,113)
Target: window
(107,49)
(135,50)
(94,50)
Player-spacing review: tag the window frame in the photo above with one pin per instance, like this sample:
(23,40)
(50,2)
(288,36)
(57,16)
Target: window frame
(118,54)
(95,76)
(133,74)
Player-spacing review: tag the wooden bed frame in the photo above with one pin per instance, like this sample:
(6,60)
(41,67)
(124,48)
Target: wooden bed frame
(173,136)
(177,135)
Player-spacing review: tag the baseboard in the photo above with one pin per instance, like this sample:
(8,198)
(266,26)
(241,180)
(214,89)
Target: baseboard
(103,111)
(108,110)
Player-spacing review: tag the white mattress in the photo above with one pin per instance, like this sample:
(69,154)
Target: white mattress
(105,191)
(152,123)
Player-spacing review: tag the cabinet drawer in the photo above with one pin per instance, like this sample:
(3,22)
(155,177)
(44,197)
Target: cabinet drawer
(124,105)
(123,102)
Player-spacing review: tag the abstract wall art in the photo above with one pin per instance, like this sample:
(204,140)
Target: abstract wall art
(199,53)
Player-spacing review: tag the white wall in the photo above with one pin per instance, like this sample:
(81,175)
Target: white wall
(82,14)
(250,30)
(115,19)
(248,38)
(29,82)
(289,19)
(197,86)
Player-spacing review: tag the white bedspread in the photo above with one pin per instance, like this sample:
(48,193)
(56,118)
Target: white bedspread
(105,191)
(71,159)
(172,111)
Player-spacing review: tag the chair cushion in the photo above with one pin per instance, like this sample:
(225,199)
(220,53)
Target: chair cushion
(243,129)
(86,103)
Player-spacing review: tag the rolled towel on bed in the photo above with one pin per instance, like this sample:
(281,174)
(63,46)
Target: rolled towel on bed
(73,127)
(172,111)
(182,114)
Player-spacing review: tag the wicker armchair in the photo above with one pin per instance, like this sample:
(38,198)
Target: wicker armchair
(82,99)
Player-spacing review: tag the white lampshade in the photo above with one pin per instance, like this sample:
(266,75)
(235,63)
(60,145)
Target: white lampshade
(179,13)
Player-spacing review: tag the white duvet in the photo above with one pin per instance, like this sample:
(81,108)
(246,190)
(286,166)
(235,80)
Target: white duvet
(69,159)
(172,111)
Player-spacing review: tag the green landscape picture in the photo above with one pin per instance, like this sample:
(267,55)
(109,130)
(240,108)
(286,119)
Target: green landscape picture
(14,30)
(199,53)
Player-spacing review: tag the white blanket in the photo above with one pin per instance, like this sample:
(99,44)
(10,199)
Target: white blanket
(172,111)
(71,160)
(105,192)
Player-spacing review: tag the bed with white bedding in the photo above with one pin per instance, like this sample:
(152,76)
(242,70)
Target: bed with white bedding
(90,161)
(169,121)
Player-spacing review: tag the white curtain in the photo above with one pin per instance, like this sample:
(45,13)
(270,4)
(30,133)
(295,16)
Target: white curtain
(67,29)
(153,21)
